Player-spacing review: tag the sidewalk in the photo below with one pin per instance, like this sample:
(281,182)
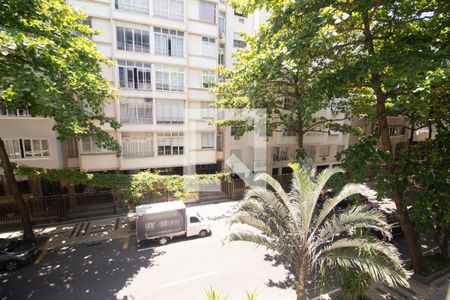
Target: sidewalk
(80,232)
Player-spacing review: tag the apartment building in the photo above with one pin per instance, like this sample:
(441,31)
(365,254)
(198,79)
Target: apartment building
(165,54)
(29,141)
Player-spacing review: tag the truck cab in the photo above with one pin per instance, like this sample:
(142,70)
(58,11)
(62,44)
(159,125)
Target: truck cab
(197,226)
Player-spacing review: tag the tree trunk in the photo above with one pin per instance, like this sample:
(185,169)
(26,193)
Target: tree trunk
(406,225)
(15,191)
(300,149)
(301,290)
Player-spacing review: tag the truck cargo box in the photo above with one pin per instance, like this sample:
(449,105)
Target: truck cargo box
(160,219)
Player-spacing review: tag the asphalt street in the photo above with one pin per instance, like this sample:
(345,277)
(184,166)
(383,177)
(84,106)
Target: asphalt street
(183,269)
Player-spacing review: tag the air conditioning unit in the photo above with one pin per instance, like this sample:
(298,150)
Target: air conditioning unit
(221,35)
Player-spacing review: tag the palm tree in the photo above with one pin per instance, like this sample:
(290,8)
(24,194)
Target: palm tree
(311,240)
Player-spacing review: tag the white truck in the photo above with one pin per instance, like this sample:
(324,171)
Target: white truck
(163,221)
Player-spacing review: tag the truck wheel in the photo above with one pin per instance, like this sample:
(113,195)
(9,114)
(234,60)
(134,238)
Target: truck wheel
(11,265)
(164,240)
(203,233)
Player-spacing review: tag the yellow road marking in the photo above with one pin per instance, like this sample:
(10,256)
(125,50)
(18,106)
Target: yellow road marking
(125,243)
(40,257)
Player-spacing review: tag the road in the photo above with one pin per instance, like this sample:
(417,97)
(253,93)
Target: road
(183,269)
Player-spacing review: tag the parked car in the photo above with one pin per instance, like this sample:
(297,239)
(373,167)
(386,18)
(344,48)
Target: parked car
(15,253)
(163,221)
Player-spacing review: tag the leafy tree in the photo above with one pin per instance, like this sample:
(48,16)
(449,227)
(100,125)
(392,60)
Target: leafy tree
(278,71)
(50,67)
(384,58)
(313,238)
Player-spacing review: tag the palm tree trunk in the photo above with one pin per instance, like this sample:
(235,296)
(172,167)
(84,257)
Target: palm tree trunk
(301,290)
(15,191)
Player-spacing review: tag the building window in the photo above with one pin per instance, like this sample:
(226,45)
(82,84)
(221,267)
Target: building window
(137,144)
(72,147)
(280,153)
(393,130)
(290,130)
(239,44)
(169,112)
(310,151)
(170,143)
(14,112)
(222,23)
(27,148)
(169,78)
(207,140)
(209,46)
(89,145)
(221,56)
(136,6)
(131,39)
(208,79)
(169,9)
(396,130)
(169,42)
(208,112)
(13,148)
(134,75)
(207,12)
(136,113)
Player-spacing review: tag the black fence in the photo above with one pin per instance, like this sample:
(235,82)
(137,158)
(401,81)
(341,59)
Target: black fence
(58,208)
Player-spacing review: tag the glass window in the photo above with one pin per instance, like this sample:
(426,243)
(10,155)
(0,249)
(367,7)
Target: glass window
(209,46)
(194,220)
(208,111)
(13,148)
(170,143)
(14,112)
(168,111)
(134,75)
(239,44)
(169,9)
(136,112)
(207,12)
(137,144)
(222,24)
(208,79)
(130,39)
(207,140)
(135,6)
(89,144)
(280,153)
(169,42)
(221,55)
(169,78)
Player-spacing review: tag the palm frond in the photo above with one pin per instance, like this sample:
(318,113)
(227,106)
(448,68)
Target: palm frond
(379,260)
(285,198)
(347,191)
(352,218)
